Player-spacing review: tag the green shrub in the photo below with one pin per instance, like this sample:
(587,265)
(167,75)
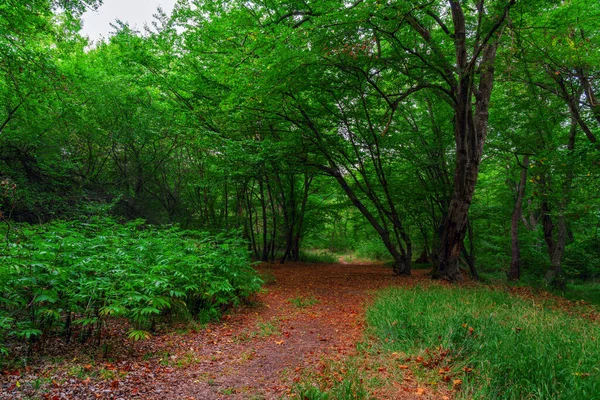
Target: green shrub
(516,349)
(587,291)
(582,258)
(317,256)
(66,275)
(373,249)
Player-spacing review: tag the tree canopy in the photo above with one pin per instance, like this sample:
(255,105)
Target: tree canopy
(463,133)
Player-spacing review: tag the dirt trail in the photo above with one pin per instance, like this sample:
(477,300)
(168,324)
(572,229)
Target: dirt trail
(310,313)
(260,352)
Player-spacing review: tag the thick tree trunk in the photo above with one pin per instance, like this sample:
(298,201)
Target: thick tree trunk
(470,125)
(452,240)
(515,264)
(470,131)
(554,275)
(469,255)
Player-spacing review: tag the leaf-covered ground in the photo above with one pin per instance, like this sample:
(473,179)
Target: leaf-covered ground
(308,317)
(303,328)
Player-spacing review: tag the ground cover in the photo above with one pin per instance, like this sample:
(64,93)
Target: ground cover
(306,335)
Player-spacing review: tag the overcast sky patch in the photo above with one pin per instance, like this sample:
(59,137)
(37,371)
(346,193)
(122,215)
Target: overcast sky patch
(96,24)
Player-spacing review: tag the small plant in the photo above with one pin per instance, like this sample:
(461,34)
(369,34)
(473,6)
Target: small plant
(189,358)
(107,374)
(347,385)
(267,329)
(304,302)
(228,391)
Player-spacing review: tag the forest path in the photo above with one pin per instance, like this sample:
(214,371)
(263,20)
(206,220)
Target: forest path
(303,327)
(311,316)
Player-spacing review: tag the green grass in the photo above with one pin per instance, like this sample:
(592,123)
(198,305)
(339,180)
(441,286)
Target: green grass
(517,348)
(263,329)
(266,329)
(318,256)
(351,387)
(587,291)
(304,301)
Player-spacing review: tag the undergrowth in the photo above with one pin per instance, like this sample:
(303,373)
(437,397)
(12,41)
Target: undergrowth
(490,345)
(333,382)
(318,256)
(69,278)
(304,301)
(587,291)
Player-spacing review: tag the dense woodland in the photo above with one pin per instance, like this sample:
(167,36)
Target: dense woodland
(460,134)
(142,175)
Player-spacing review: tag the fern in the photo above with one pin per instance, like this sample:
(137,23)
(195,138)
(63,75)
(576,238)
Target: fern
(99,270)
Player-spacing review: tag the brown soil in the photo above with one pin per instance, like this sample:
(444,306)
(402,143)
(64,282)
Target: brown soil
(307,323)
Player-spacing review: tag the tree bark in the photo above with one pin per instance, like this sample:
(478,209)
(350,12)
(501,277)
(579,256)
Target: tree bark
(470,131)
(514,274)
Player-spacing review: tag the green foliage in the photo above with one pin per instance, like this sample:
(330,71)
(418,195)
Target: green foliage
(317,256)
(84,273)
(304,301)
(372,249)
(350,387)
(265,116)
(516,349)
(582,258)
(583,290)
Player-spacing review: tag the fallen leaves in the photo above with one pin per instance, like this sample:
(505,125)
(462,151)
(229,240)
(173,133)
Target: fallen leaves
(179,364)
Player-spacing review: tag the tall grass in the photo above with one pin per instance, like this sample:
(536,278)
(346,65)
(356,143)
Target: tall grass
(516,348)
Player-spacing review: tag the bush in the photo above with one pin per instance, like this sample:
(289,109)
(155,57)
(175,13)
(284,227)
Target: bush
(373,249)
(66,274)
(582,258)
(500,346)
(317,256)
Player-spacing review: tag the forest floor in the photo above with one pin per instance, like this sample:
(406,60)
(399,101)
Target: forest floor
(305,323)
(306,327)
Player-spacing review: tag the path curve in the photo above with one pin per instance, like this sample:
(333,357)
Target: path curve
(307,317)
(260,352)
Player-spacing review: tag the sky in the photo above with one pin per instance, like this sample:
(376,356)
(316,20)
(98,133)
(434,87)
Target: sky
(96,24)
